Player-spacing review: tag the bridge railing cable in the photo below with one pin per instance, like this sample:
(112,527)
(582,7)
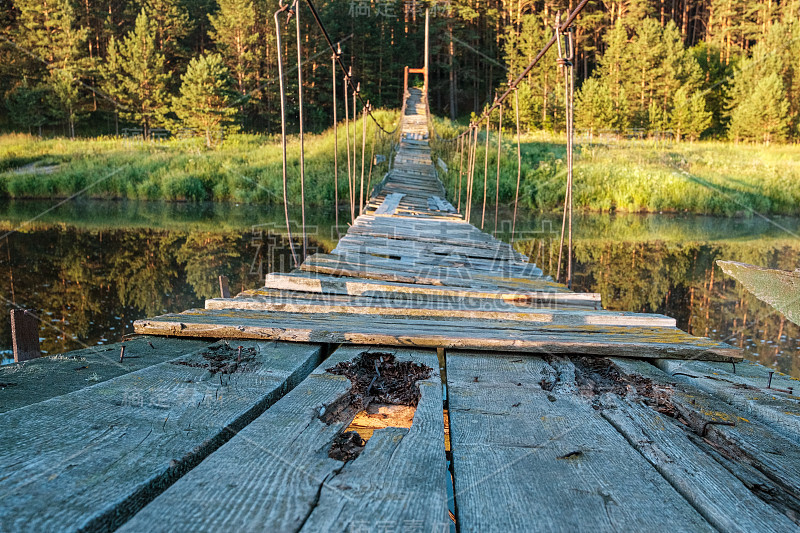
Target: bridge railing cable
(512,85)
(282,9)
(321,26)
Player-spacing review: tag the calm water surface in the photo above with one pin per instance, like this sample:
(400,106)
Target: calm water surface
(89,269)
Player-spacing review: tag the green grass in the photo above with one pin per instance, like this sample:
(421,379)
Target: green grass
(246,168)
(639,176)
(711,177)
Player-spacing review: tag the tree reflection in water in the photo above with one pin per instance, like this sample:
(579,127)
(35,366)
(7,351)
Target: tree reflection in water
(90,278)
(88,286)
(681,280)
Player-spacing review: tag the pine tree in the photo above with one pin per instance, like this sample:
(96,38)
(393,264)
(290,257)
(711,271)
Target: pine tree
(171,24)
(656,119)
(49,30)
(594,108)
(26,106)
(110,71)
(764,115)
(542,90)
(616,72)
(138,80)
(206,100)
(775,54)
(689,117)
(235,35)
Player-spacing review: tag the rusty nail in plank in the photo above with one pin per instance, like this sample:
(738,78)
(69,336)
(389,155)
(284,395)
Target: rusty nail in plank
(122,353)
(715,423)
(769,383)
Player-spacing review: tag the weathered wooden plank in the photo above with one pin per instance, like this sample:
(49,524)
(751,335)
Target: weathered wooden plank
(443,205)
(369,267)
(130,437)
(520,453)
(777,406)
(291,484)
(415,248)
(749,449)
(24,335)
(452,238)
(778,288)
(41,379)
(224,289)
(487,309)
(325,284)
(389,204)
(716,493)
(471,334)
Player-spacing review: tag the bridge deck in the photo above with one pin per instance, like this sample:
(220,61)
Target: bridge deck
(440,379)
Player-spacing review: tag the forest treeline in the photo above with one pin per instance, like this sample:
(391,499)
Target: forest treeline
(714,68)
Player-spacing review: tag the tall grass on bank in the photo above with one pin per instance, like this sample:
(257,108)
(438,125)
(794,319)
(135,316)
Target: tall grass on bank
(610,176)
(716,178)
(246,168)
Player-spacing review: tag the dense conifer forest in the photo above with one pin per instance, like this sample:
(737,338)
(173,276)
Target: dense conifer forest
(690,69)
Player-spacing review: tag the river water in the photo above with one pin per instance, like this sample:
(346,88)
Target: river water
(90,268)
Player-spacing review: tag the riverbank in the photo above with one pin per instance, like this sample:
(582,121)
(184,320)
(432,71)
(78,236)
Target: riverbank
(624,176)
(244,169)
(638,176)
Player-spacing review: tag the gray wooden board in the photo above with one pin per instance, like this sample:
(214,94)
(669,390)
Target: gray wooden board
(747,390)
(754,445)
(24,335)
(34,381)
(128,438)
(374,245)
(525,459)
(442,257)
(490,309)
(369,267)
(389,204)
(716,493)
(452,238)
(473,334)
(275,475)
(441,267)
(427,265)
(328,284)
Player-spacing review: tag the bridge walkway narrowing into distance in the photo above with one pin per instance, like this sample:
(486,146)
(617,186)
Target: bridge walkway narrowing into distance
(450,354)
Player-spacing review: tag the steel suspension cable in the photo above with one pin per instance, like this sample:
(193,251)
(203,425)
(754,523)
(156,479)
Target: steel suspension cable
(347,138)
(318,20)
(485,172)
(497,183)
(473,146)
(566,64)
(364,112)
(302,143)
(466,149)
(519,166)
(283,131)
(335,145)
(570,154)
(371,160)
(511,86)
(460,169)
(355,147)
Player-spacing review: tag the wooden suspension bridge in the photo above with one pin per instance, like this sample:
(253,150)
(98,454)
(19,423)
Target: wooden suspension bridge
(423,376)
